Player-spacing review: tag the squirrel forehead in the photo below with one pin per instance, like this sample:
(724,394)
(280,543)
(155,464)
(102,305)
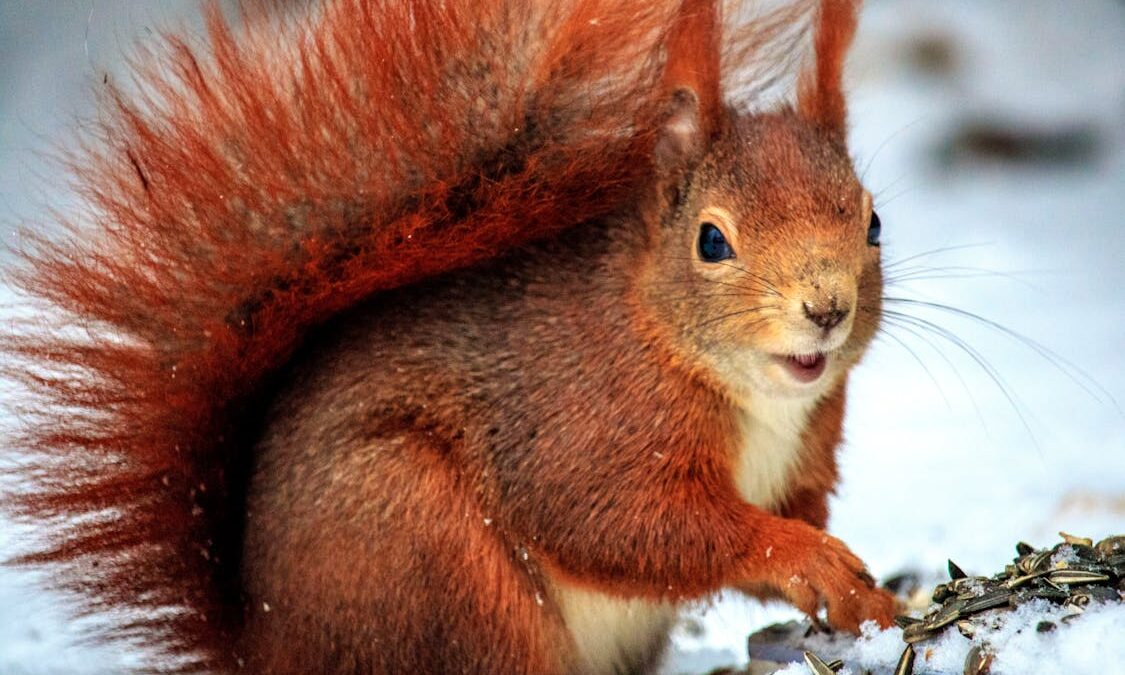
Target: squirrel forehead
(780,167)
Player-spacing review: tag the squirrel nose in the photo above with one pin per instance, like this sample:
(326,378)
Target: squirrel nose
(828,318)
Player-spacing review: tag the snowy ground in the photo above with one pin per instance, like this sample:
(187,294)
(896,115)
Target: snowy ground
(937,464)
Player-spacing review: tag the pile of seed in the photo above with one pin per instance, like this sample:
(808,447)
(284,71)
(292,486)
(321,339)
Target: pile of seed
(1073,573)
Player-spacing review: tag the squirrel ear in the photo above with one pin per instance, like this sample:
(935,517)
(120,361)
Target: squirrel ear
(692,83)
(681,139)
(820,96)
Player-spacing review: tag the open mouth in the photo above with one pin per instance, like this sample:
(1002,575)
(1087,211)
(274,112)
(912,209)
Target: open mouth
(805,367)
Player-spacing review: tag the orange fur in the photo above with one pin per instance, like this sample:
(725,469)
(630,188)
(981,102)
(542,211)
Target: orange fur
(360,177)
(821,96)
(696,40)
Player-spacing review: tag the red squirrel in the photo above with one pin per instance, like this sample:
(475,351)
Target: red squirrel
(453,337)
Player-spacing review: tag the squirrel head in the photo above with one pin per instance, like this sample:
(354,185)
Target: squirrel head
(764,263)
(766,268)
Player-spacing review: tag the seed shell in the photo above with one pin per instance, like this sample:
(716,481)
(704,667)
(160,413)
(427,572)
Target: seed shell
(1094,593)
(1073,576)
(1071,539)
(968,584)
(988,601)
(1111,545)
(816,665)
(978,661)
(917,632)
(946,615)
(956,572)
(905,662)
(1016,582)
(942,592)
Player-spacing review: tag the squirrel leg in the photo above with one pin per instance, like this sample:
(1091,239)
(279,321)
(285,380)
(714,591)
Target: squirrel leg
(705,537)
(377,559)
(810,506)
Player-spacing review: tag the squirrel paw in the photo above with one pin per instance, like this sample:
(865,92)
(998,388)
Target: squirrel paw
(831,574)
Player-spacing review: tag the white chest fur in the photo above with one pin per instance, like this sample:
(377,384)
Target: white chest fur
(771,446)
(612,634)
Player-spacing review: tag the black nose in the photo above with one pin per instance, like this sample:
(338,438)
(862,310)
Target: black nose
(827,319)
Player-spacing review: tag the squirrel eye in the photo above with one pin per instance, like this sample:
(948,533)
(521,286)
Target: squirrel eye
(873,230)
(713,246)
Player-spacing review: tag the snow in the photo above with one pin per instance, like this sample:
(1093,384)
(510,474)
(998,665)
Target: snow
(1079,646)
(932,469)
(1063,556)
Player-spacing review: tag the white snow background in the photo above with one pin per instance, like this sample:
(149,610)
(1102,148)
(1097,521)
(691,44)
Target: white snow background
(937,464)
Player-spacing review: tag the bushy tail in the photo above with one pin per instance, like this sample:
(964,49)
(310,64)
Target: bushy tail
(253,189)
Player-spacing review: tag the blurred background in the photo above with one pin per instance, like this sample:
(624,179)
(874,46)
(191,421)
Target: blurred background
(993,135)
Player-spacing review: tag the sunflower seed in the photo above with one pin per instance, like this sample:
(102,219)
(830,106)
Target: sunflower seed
(956,572)
(816,665)
(1073,576)
(917,632)
(942,592)
(988,601)
(1036,561)
(1040,593)
(1096,594)
(1071,539)
(965,584)
(978,662)
(1016,582)
(1077,602)
(905,662)
(949,613)
(1111,545)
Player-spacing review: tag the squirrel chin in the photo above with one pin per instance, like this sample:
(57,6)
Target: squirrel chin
(757,375)
(803,370)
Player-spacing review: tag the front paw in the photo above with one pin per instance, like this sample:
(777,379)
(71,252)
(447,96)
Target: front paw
(829,573)
(865,603)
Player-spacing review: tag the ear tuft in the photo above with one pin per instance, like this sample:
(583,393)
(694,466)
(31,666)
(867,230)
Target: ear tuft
(692,82)
(820,97)
(692,65)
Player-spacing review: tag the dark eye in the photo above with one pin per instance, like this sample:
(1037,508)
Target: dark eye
(713,246)
(873,230)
